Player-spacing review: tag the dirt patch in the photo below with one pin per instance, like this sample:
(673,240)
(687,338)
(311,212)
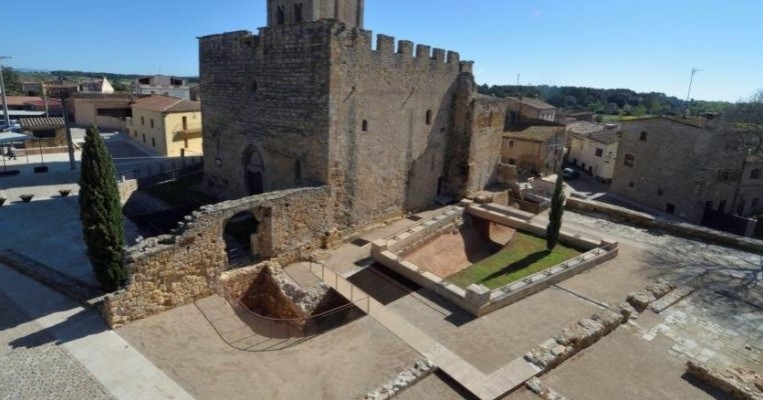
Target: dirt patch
(454,251)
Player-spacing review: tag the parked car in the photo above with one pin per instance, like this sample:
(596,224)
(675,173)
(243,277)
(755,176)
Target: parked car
(570,174)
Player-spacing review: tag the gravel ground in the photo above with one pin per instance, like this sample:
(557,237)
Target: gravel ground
(34,366)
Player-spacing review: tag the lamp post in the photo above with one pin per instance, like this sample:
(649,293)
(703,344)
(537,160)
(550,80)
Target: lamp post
(2,88)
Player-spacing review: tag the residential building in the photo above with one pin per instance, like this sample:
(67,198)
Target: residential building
(593,148)
(34,104)
(535,149)
(680,166)
(163,85)
(101,85)
(529,108)
(106,111)
(169,125)
(54,88)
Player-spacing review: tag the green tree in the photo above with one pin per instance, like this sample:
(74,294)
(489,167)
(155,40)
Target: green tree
(12,81)
(101,213)
(557,209)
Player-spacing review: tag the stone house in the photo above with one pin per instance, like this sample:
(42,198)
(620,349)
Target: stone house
(168,125)
(529,108)
(593,148)
(311,101)
(750,198)
(535,149)
(680,166)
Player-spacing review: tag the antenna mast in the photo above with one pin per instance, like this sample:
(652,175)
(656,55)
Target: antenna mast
(691,82)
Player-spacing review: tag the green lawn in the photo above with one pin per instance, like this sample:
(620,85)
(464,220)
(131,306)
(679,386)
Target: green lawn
(524,256)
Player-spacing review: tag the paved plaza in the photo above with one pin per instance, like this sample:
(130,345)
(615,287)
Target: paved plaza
(47,341)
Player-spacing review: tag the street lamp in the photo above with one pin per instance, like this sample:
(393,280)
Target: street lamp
(2,88)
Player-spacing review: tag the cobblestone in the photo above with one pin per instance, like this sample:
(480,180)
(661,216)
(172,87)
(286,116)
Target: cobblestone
(708,327)
(34,366)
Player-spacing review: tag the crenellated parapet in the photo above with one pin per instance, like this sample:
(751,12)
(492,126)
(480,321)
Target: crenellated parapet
(386,50)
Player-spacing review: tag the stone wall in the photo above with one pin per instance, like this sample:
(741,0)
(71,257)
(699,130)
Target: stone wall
(126,188)
(319,103)
(391,116)
(265,107)
(489,117)
(172,270)
(678,163)
(620,214)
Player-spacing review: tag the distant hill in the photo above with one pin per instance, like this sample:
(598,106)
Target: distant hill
(623,102)
(32,74)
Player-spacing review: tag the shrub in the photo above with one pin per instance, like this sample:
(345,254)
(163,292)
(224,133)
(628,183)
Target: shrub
(26,198)
(64,192)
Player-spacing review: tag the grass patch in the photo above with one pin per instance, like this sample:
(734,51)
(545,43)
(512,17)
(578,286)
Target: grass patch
(523,256)
(181,192)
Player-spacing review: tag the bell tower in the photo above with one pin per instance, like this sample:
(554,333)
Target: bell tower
(290,12)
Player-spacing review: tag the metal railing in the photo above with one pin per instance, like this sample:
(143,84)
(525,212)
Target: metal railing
(289,328)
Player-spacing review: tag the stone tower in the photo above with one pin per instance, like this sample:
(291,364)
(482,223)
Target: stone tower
(289,12)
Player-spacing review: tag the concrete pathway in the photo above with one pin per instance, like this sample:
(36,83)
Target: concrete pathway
(481,385)
(122,370)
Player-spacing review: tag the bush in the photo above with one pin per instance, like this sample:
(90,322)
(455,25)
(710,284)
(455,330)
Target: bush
(26,198)
(64,192)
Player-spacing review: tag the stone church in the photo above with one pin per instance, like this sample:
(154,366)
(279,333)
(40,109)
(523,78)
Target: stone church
(313,100)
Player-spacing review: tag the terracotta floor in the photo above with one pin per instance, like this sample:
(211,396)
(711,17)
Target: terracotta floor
(452,252)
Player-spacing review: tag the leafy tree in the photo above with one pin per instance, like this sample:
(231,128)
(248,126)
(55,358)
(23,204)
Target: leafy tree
(101,213)
(746,119)
(120,87)
(12,81)
(557,209)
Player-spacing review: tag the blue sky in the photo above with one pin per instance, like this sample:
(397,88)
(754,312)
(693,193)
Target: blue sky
(645,45)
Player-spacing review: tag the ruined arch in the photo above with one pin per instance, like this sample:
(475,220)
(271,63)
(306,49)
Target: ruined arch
(239,234)
(254,170)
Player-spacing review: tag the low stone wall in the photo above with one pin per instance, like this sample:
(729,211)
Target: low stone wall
(574,338)
(126,188)
(686,230)
(402,381)
(172,270)
(741,383)
(477,299)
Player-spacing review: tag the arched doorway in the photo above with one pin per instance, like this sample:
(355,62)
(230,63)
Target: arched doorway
(240,235)
(254,169)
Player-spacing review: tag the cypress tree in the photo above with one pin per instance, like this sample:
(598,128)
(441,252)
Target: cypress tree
(101,213)
(555,217)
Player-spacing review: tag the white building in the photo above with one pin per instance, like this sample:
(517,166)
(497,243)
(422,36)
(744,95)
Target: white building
(162,85)
(593,148)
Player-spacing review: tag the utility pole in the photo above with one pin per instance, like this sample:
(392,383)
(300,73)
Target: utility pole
(2,87)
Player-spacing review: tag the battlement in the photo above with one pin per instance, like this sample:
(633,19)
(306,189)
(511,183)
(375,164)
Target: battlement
(384,50)
(402,52)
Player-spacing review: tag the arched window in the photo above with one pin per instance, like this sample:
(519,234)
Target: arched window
(755,174)
(298,13)
(630,160)
(280,15)
(365,125)
(429,117)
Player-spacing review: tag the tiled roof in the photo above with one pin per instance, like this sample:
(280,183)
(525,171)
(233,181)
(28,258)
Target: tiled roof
(20,100)
(533,102)
(166,104)
(536,133)
(42,123)
(606,134)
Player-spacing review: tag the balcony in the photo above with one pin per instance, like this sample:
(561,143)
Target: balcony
(186,131)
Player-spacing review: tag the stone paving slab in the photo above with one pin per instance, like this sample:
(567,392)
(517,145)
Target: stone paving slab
(123,371)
